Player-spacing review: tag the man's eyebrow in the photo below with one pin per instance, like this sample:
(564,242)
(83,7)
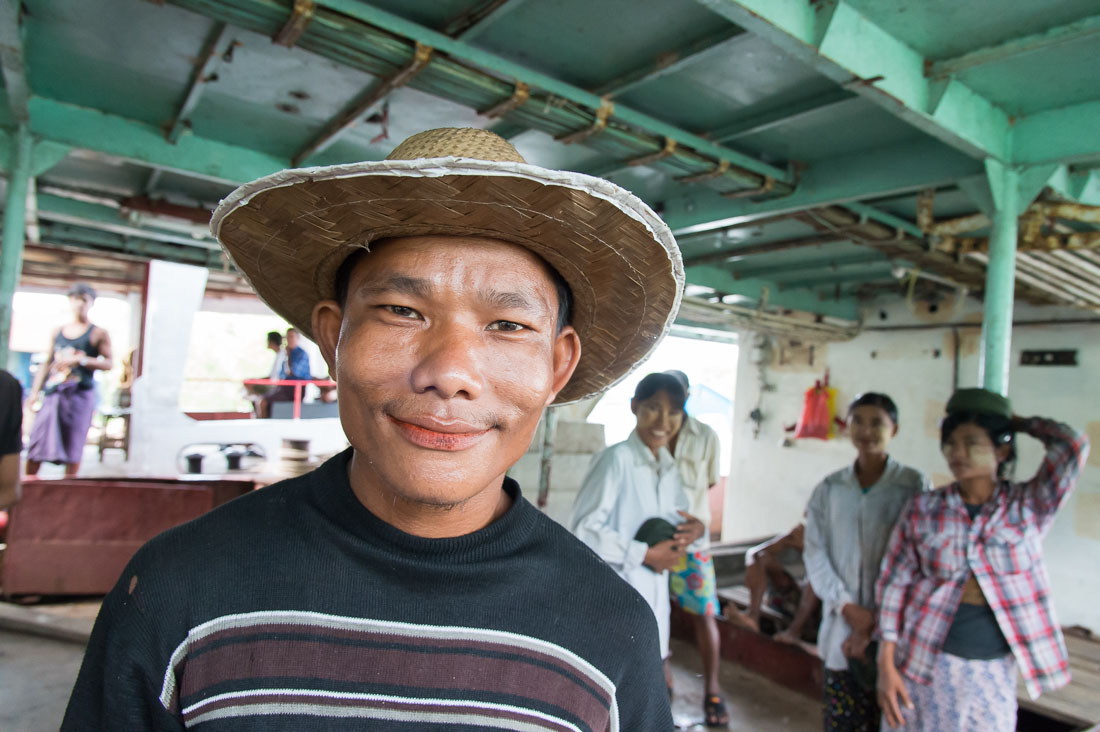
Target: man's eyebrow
(404,284)
(508,300)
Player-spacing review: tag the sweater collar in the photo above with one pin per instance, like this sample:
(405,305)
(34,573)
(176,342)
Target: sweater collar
(333,491)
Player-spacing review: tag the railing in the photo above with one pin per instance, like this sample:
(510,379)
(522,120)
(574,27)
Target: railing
(298,384)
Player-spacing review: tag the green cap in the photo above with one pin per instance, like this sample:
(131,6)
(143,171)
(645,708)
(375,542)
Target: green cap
(654,531)
(979,401)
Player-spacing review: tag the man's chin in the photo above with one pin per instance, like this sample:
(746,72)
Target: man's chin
(441,498)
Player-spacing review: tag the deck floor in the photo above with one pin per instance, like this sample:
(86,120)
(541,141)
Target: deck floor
(755,703)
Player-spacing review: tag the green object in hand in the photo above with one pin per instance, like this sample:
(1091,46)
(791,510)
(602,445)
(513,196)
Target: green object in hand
(654,531)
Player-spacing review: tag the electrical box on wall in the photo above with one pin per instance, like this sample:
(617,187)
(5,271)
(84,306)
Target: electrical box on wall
(1064,357)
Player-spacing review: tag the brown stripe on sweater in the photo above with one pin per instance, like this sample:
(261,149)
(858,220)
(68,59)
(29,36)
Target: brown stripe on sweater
(428,669)
(320,633)
(259,700)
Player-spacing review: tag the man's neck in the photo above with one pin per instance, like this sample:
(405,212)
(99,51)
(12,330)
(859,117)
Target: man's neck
(869,468)
(419,518)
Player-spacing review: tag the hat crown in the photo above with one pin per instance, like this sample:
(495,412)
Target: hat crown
(459,142)
(979,401)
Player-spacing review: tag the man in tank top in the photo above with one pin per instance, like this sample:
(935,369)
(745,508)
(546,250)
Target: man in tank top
(67,384)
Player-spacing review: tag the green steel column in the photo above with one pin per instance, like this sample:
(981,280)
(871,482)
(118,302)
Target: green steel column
(11,251)
(1000,280)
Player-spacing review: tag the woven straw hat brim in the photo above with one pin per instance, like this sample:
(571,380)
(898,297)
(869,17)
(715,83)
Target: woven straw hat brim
(289,233)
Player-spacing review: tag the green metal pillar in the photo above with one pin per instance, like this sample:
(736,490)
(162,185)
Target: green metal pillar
(1000,278)
(15,214)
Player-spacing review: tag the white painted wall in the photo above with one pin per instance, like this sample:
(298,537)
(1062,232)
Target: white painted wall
(159,431)
(770,484)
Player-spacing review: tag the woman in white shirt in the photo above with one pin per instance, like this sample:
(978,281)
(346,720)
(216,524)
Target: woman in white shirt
(634,481)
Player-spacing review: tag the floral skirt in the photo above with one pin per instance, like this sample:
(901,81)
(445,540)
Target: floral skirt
(692,584)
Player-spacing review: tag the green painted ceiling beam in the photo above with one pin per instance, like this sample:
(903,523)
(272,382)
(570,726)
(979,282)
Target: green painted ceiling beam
(1066,135)
(1082,186)
(459,50)
(723,281)
(831,278)
(91,129)
(506,129)
(208,60)
(47,154)
(357,44)
(913,166)
(883,217)
(90,215)
(672,62)
(11,60)
(487,13)
(851,49)
(106,218)
(780,115)
(1083,28)
(97,240)
(796,267)
(44,153)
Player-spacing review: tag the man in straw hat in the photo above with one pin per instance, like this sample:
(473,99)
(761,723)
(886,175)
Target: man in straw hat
(455,292)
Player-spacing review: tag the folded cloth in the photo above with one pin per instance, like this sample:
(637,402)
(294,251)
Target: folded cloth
(654,531)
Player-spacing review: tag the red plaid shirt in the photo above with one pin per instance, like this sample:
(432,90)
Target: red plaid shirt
(935,547)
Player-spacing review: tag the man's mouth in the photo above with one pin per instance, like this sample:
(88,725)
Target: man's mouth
(439,434)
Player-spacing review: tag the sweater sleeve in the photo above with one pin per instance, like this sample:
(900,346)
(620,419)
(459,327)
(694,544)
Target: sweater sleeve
(119,683)
(641,693)
(592,512)
(824,579)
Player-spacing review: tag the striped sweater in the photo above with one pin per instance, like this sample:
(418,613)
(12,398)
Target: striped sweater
(296,608)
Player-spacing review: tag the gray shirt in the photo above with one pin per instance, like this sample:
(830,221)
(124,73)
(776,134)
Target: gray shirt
(847,530)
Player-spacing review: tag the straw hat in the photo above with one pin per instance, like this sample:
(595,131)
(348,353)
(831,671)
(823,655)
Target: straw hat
(288,234)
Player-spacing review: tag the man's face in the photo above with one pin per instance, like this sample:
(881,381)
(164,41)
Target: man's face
(870,429)
(291,340)
(80,305)
(446,352)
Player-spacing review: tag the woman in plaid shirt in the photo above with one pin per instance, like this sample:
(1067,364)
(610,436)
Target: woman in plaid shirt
(963,596)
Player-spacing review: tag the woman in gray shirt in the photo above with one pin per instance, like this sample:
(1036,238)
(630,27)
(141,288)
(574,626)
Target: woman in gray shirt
(848,523)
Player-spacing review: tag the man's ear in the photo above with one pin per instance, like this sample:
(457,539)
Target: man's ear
(328,317)
(566,353)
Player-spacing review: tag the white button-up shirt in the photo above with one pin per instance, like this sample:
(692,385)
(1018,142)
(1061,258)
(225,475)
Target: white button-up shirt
(697,457)
(625,485)
(847,530)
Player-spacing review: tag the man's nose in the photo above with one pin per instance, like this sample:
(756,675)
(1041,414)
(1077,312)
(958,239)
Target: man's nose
(450,363)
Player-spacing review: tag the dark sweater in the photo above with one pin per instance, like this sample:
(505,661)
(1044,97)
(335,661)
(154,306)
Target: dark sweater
(296,608)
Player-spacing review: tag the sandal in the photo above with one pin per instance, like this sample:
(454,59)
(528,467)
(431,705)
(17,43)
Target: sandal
(714,711)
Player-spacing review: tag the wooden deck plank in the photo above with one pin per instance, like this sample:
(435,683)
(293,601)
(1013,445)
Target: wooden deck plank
(1081,698)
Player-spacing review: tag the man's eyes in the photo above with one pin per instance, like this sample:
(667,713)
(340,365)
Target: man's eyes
(401,311)
(500,326)
(506,326)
